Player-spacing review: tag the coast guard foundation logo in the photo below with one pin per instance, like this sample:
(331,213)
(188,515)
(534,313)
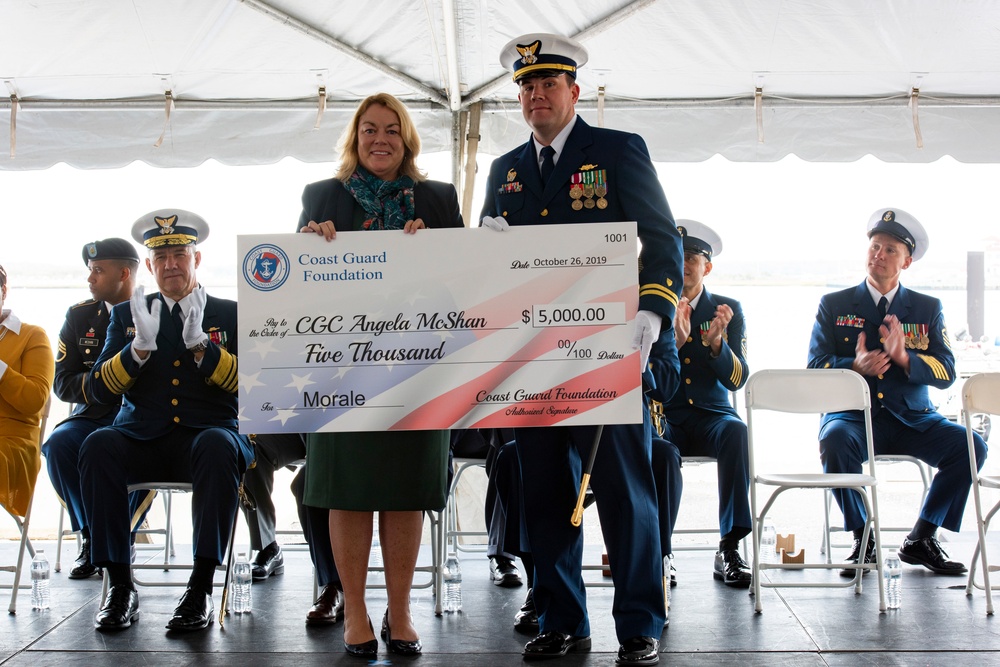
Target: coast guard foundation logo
(266,267)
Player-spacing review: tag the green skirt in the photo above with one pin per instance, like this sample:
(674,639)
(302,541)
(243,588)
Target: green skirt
(395,471)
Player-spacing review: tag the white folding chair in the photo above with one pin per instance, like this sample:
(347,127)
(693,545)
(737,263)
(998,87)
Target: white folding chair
(923,470)
(22,527)
(810,391)
(167,548)
(454,535)
(170,489)
(711,532)
(981,395)
(434,569)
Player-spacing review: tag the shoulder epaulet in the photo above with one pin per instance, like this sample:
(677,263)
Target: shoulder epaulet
(88,302)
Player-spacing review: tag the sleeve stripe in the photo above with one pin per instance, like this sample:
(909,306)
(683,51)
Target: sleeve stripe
(937,368)
(225,374)
(652,289)
(114,375)
(737,375)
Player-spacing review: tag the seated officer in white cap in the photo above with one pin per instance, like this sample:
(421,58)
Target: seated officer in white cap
(896,339)
(699,419)
(570,172)
(171,357)
(112,264)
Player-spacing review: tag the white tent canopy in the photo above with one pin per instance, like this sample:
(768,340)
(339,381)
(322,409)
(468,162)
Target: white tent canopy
(102,83)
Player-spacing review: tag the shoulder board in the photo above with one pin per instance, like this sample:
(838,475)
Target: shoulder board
(88,302)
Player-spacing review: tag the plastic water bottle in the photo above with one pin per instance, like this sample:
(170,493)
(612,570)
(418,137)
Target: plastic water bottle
(452,584)
(666,582)
(242,581)
(40,581)
(893,576)
(768,542)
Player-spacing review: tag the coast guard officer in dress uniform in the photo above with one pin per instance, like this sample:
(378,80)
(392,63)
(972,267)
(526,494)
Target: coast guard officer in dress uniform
(896,339)
(112,264)
(699,419)
(570,172)
(171,357)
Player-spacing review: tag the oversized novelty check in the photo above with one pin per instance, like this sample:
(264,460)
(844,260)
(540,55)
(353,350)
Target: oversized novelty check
(445,328)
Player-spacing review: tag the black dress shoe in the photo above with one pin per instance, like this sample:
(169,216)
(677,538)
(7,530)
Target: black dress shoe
(731,569)
(554,645)
(328,607)
(856,554)
(268,562)
(526,619)
(639,651)
(367,650)
(83,568)
(399,646)
(928,552)
(504,573)
(193,612)
(120,609)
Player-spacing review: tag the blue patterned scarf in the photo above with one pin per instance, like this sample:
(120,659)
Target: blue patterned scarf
(387,204)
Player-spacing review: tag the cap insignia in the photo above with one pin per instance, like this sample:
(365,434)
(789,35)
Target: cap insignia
(528,51)
(682,231)
(166,224)
(888,216)
(92,250)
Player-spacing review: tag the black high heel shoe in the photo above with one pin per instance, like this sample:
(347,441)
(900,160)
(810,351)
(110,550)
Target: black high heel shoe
(367,650)
(399,646)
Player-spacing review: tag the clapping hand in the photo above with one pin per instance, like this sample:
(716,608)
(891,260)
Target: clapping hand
(869,362)
(193,335)
(146,320)
(723,316)
(682,321)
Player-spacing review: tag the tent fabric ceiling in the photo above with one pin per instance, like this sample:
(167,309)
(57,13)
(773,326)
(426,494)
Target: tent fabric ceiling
(87,80)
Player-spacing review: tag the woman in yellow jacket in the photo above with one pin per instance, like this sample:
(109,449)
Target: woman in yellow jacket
(26,371)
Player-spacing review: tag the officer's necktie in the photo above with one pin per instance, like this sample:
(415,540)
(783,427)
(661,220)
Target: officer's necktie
(175,317)
(883,306)
(548,164)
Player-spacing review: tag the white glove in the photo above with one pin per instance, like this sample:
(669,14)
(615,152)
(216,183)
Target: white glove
(197,298)
(647,330)
(147,322)
(193,335)
(497,224)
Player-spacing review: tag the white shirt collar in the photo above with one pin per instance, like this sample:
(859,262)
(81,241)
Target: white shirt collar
(876,295)
(694,302)
(11,321)
(557,144)
(185,304)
